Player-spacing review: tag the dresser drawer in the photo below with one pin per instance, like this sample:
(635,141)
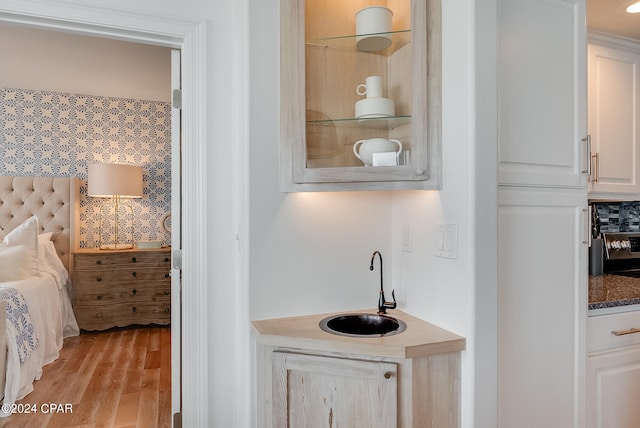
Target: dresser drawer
(130,275)
(138,293)
(100,317)
(600,328)
(89,261)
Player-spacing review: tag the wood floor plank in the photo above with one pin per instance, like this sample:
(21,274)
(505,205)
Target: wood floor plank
(117,378)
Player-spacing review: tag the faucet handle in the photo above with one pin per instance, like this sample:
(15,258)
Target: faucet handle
(391,305)
(383,305)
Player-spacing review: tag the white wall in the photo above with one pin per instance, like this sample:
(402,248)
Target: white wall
(310,252)
(442,290)
(63,62)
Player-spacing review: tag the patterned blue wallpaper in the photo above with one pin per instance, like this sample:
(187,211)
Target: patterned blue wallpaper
(55,134)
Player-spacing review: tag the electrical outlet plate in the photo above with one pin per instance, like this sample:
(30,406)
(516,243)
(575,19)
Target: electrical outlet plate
(447,241)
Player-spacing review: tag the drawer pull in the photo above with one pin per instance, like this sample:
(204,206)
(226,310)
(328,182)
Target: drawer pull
(133,260)
(134,291)
(98,262)
(166,275)
(134,274)
(166,293)
(623,332)
(387,375)
(134,309)
(166,260)
(99,297)
(99,315)
(99,279)
(166,310)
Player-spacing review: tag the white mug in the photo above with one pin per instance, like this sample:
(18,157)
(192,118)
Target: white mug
(372,88)
(373,25)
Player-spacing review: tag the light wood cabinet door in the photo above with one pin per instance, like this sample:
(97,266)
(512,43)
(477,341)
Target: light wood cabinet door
(312,391)
(613,389)
(614,119)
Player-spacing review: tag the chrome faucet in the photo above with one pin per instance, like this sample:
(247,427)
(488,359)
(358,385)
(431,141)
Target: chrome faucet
(383,305)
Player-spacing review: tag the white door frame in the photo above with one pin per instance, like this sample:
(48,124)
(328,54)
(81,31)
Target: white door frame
(190,38)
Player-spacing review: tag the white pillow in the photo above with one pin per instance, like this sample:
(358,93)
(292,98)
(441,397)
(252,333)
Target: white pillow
(26,234)
(44,237)
(14,263)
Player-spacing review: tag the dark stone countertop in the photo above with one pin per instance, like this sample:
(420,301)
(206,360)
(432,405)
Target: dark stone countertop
(609,291)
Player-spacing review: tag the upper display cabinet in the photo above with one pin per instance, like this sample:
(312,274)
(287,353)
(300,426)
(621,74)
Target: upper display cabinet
(360,95)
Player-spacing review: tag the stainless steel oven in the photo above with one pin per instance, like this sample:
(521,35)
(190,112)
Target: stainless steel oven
(621,253)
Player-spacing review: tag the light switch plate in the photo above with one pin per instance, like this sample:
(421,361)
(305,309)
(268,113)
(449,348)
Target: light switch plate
(406,243)
(447,241)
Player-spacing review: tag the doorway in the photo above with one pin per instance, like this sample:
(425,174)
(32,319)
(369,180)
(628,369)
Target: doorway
(177,199)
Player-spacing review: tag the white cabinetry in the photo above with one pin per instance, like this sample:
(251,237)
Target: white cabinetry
(613,372)
(542,218)
(541,308)
(542,94)
(614,118)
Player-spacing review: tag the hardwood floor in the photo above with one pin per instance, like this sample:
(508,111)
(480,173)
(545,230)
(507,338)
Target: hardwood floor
(116,378)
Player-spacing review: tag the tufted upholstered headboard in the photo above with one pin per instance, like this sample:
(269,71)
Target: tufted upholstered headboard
(55,201)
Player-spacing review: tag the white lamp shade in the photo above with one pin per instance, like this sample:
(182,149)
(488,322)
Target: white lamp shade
(107,180)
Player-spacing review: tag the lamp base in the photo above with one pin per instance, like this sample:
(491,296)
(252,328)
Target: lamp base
(116,246)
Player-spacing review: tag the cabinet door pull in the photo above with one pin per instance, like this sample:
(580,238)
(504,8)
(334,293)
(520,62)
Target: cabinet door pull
(596,162)
(133,260)
(98,262)
(99,297)
(134,274)
(166,310)
(99,279)
(134,309)
(387,375)
(134,291)
(167,260)
(587,140)
(166,293)
(166,275)
(623,332)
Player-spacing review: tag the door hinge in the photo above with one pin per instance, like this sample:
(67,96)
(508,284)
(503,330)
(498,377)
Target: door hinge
(177,259)
(176,98)
(177,420)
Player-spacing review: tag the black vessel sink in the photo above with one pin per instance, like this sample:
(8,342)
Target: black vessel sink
(362,325)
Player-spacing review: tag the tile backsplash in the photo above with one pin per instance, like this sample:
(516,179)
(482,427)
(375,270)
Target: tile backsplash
(619,216)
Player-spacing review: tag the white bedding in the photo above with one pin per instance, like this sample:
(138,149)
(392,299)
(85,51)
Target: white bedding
(52,315)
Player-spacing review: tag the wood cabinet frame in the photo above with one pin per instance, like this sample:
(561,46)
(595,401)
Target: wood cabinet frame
(424,170)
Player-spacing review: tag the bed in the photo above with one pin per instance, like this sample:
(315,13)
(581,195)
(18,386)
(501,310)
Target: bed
(38,231)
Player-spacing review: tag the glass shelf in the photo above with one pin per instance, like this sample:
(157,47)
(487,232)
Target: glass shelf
(399,39)
(372,123)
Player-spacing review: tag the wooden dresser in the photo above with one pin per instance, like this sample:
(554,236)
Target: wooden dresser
(117,288)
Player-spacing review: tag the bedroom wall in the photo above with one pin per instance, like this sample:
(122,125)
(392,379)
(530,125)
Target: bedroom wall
(78,112)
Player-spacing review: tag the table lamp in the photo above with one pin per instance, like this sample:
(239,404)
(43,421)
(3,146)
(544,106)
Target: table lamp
(119,183)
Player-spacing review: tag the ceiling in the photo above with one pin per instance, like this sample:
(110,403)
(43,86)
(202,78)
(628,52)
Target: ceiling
(610,16)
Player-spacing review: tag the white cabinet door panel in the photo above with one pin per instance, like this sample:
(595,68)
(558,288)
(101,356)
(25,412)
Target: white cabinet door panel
(542,92)
(541,309)
(614,115)
(614,389)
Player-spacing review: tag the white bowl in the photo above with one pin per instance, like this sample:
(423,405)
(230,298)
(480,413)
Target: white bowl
(374,108)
